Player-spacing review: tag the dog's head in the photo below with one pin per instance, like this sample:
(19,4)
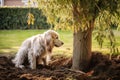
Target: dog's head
(52,38)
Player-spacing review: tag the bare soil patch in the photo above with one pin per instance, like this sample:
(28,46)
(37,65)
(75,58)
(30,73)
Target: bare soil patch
(101,68)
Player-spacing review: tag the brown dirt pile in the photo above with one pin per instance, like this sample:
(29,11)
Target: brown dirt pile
(101,68)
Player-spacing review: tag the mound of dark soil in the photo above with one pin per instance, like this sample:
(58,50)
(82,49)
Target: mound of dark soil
(101,68)
(104,68)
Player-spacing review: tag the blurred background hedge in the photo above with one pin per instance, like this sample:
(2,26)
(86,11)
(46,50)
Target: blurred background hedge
(16,18)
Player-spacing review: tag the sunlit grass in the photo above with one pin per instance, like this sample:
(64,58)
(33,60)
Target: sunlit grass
(10,41)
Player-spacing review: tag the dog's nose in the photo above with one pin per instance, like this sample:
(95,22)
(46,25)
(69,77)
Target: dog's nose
(62,43)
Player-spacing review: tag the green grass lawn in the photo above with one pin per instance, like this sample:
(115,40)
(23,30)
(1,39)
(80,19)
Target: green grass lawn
(10,41)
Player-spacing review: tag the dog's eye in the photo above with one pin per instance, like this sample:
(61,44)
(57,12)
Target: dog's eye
(57,37)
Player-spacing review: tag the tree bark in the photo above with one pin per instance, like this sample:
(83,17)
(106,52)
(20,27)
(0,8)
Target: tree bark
(82,48)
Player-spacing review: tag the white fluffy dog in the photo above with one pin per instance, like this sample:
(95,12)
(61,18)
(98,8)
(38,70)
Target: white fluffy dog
(38,49)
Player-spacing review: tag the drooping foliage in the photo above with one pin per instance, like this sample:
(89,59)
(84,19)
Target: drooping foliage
(77,14)
(63,13)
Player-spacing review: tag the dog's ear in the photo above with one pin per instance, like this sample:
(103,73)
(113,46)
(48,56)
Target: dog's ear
(48,38)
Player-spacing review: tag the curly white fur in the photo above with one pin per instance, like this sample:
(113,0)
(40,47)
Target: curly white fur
(38,49)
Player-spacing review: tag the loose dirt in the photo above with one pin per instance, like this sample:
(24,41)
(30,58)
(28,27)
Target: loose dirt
(101,68)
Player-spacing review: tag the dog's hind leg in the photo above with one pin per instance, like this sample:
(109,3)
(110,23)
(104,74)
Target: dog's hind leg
(19,58)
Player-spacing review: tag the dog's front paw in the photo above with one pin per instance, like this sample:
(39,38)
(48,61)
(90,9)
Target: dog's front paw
(20,66)
(33,66)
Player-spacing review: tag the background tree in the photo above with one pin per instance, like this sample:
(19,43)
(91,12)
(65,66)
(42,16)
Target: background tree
(79,16)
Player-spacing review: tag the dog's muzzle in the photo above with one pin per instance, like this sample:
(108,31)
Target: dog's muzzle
(58,43)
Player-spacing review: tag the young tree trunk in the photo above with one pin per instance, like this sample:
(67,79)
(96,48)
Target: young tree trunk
(82,49)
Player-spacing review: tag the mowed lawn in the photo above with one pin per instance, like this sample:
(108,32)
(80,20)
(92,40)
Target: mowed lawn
(10,41)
